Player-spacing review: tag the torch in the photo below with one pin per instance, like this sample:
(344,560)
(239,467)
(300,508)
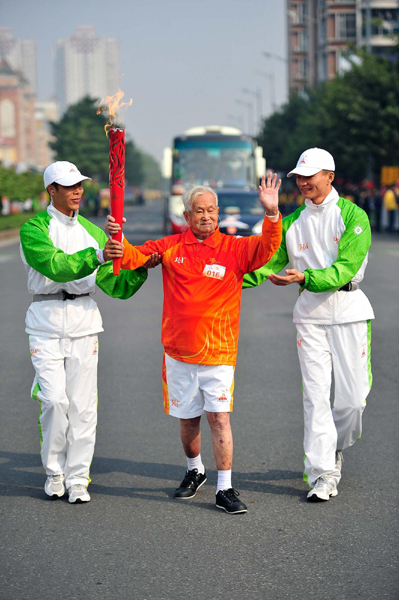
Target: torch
(117,183)
(116,138)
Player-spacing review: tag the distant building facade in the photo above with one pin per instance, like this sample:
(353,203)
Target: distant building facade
(85,65)
(45,112)
(320,32)
(19,54)
(17,122)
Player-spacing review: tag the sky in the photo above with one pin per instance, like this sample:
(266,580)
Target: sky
(184,62)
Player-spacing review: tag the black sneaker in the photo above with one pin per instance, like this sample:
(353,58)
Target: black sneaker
(191,483)
(228,500)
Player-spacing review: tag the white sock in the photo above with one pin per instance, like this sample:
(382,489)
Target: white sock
(195,463)
(224,480)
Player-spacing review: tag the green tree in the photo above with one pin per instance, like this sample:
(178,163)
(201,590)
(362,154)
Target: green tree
(80,138)
(355,117)
(134,172)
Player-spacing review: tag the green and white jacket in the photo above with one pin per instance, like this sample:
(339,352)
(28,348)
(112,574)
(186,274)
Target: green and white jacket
(329,243)
(64,253)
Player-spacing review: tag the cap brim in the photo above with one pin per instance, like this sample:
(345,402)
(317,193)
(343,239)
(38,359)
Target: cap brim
(305,171)
(71,179)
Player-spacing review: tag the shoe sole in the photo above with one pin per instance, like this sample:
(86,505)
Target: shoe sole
(229,512)
(315,498)
(78,501)
(55,495)
(193,496)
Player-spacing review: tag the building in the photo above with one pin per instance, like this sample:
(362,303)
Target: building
(321,31)
(17,122)
(85,65)
(45,112)
(19,54)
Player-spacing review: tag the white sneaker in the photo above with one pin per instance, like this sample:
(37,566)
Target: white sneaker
(323,489)
(78,493)
(339,459)
(54,486)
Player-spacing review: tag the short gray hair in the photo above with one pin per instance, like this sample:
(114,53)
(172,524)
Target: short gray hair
(197,190)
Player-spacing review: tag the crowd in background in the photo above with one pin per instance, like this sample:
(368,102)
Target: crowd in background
(381,204)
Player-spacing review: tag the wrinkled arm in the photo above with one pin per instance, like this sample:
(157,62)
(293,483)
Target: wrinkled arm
(41,254)
(256,251)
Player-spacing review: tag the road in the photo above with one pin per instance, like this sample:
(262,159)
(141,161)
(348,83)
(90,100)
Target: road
(133,541)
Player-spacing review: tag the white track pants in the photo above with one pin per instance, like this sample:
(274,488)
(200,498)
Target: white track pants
(65,384)
(345,351)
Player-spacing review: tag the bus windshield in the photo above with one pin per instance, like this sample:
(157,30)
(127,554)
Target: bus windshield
(218,163)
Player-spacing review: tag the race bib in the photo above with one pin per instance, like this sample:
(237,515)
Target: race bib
(214,271)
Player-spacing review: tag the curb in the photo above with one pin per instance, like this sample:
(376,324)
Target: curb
(9,236)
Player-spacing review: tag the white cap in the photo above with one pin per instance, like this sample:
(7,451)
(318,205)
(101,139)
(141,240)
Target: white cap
(312,161)
(62,172)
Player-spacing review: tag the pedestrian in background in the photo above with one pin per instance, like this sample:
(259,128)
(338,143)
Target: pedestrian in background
(64,256)
(326,242)
(391,206)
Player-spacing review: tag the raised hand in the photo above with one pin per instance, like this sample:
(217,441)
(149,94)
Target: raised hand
(268,194)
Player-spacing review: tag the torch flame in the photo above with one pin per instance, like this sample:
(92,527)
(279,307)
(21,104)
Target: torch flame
(113,104)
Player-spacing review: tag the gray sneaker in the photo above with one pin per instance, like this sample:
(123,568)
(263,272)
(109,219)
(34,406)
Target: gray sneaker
(54,486)
(324,488)
(78,493)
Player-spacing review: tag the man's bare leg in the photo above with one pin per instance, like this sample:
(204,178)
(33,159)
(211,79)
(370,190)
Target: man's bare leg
(195,476)
(190,434)
(222,439)
(222,442)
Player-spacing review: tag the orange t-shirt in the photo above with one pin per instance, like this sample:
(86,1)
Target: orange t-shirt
(202,284)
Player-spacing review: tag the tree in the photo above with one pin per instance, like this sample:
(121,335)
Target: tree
(80,138)
(355,117)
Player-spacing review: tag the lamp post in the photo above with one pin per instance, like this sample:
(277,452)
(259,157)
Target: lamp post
(270,77)
(237,120)
(250,108)
(258,95)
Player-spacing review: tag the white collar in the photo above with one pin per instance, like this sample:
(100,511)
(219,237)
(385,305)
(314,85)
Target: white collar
(332,197)
(64,219)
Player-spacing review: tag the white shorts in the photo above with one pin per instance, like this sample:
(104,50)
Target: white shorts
(189,390)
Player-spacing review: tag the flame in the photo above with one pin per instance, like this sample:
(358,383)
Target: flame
(114,105)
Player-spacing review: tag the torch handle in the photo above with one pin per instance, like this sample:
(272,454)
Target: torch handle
(117,183)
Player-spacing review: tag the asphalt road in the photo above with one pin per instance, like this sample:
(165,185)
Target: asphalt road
(133,541)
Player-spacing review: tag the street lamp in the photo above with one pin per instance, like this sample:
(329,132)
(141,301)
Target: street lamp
(237,120)
(250,108)
(258,96)
(270,77)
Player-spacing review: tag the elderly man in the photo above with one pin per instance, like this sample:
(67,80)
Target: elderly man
(326,242)
(203,272)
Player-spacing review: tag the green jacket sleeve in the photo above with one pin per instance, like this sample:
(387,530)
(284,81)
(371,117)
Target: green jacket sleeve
(120,286)
(41,254)
(275,264)
(352,250)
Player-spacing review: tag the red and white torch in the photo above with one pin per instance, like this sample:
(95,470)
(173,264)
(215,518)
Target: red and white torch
(116,138)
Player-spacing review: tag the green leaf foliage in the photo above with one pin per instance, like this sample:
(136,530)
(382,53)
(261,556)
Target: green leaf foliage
(355,117)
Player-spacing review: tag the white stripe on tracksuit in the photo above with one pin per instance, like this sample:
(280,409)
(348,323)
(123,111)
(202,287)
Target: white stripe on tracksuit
(345,350)
(65,384)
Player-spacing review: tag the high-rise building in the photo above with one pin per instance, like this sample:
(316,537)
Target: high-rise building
(17,123)
(45,112)
(85,65)
(321,31)
(19,54)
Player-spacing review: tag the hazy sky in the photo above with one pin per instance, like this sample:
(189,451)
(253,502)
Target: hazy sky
(184,62)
